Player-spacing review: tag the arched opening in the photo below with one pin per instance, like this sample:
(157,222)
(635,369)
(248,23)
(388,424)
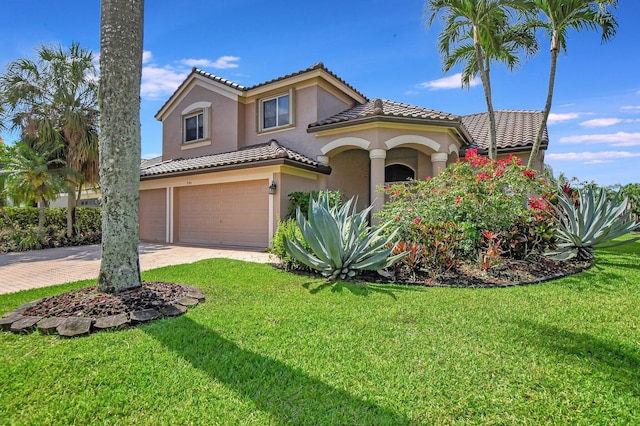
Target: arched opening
(398,173)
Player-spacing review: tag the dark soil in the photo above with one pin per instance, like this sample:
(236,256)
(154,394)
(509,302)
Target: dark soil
(89,303)
(506,273)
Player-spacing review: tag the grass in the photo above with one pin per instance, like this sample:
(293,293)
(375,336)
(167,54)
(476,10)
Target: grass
(273,348)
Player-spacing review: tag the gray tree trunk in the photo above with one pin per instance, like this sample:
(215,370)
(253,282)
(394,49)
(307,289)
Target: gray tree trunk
(71,212)
(486,84)
(119,103)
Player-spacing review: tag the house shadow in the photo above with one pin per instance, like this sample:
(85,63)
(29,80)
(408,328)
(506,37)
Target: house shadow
(357,289)
(619,363)
(287,393)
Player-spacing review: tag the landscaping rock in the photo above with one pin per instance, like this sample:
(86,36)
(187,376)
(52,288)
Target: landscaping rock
(5,322)
(12,314)
(187,301)
(112,321)
(144,315)
(20,309)
(49,325)
(25,324)
(173,310)
(74,326)
(194,293)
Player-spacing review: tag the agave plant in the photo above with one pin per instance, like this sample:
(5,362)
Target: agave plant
(341,242)
(592,223)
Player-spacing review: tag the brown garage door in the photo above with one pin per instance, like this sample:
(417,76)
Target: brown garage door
(234,214)
(153,215)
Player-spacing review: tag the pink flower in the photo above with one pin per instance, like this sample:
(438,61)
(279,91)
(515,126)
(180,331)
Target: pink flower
(416,220)
(529,173)
(482,176)
(398,218)
(428,178)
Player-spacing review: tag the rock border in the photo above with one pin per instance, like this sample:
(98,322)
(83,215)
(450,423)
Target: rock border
(18,323)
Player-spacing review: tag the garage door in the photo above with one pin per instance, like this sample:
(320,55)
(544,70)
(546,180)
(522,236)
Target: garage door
(153,215)
(235,214)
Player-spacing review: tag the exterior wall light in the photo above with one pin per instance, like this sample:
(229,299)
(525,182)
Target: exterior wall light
(272,188)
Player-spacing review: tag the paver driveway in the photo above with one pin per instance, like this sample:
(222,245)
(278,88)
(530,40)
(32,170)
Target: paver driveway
(42,268)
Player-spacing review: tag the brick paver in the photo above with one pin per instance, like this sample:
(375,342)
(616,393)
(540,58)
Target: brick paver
(42,268)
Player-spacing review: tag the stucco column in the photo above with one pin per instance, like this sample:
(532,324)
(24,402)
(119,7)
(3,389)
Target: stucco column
(438,162)
(323,181)
(376,179)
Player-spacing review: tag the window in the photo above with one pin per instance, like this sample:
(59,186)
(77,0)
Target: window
(275,112)
(194,127)
(398,173)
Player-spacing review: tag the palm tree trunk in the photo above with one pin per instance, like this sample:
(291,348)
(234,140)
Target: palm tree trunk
(71,213)
(119,104)
(486,84)
(41,213)
(547,106)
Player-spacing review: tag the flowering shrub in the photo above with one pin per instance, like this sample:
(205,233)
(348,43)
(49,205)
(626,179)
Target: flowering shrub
(478,194)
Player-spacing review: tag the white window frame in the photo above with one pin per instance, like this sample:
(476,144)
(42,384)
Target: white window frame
(194,110)
(261,103)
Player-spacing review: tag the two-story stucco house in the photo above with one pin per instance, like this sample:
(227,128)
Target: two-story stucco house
(232,154)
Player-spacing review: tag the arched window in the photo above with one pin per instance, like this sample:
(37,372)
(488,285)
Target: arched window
(398,173)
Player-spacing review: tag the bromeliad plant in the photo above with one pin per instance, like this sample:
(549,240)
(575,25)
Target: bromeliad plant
(341,242)
(593,223)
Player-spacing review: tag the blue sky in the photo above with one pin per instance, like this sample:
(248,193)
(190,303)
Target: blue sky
(382,48)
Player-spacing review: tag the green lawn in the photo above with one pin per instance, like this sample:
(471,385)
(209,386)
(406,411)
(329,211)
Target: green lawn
(271,348)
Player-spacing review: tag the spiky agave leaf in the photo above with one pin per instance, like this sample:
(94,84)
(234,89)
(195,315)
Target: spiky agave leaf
(594,223)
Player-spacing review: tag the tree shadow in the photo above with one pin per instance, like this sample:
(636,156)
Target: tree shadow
(619,363)
(287,393)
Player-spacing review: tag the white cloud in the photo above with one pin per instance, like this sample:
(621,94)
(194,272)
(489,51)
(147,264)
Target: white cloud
(591,157)
(160,82)
(598,161)
(151,155)
(615,139)
(601,122)
(630,108)
(557,118)
(452,82)
(222,63)
(411,92)
(146,56)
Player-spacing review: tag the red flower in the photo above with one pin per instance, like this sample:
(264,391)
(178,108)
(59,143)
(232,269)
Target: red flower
(458,200)
(416,220)
(499,172)
(537,204)
(490,235)
(428,178)
(529,173)
(398,192)
(398,218)
(482,176)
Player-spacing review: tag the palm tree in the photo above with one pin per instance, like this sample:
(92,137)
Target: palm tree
(476,33)
(32,176)
(55,98)
(561,16)
(119,102)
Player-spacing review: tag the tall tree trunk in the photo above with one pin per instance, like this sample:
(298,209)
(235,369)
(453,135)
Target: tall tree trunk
(41,213)
(71,213)
(555,49)
(119,104)
(486,84)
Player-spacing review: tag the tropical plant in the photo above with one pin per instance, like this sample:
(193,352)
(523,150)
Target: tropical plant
(54,99)
(477,33)
(286,230)
(341,242)
(121,26)
(560,16)
(30,176)
(593,223)
(301,199)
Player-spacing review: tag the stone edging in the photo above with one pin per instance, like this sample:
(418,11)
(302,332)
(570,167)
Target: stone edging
(16,322)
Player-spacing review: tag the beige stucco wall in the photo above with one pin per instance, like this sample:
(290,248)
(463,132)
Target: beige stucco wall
(350,174)
(288,183)
(223,125)
(538,164)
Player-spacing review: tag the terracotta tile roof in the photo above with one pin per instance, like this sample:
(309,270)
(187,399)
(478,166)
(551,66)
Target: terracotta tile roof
(271,150)
(515,129)
(385,108)
(148,162)
(224,81)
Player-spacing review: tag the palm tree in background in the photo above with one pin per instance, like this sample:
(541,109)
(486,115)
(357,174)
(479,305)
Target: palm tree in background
(561,16)
(53,100)
(477,33)
(32,176)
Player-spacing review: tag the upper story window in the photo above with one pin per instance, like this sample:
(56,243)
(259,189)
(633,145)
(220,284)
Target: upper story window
(194,127)
(195,123)
(275,112)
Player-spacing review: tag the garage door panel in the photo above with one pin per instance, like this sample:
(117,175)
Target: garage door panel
(152,215)
(228,214)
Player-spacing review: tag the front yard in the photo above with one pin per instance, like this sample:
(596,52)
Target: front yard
(269,347)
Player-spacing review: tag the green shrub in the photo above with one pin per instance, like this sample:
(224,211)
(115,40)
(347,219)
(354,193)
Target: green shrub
(479,194)
(287,229)
(88,219)
(301,199)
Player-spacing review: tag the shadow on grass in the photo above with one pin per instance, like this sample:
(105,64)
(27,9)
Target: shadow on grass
(286,393)
(358,289)
(618,363)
